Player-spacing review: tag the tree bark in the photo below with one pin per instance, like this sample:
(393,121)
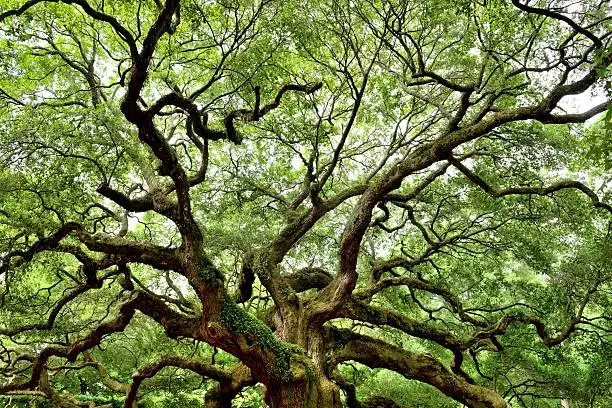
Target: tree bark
(309,391)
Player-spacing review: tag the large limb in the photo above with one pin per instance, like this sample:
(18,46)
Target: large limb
(121,31)
(485,329)
(117,250)
(150,370)
(419,284)
(265,264)
(385,317)
(330,300)
(174,323)
(106,379)
(421,367)
(199,127)
(557,16)
(355,309)
(244,344)
(221,395)
(543,191)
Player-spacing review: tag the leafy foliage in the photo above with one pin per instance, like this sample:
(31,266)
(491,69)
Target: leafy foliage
(354,203)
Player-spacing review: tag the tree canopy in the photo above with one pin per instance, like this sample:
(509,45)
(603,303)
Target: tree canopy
(355,203)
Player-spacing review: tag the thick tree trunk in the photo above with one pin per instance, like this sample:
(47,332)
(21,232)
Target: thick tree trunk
(308,392)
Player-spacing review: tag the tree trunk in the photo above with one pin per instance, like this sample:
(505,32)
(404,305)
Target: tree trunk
(310,391)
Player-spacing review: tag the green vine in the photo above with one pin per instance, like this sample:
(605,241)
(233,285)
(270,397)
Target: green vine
(209,273)
(242,323)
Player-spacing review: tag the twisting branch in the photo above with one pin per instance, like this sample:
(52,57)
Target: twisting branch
(42,245)
(441,148)
(105,377)
(71,352)
(560,17)
(174,323)
(200,127)
(123,33)
(548,340)
(221,395)
(57,308)
(296,348)
(203,369)
(384,317)
(422,367)
(416,283)
(543,191)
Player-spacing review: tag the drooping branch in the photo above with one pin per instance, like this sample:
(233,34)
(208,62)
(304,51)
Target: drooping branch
(385,317)
(543,191)
(307,89)
(557,16)
(174,323)
(57,307)
(416,283)
(123,33)
(71,352)
(203,369)
(549,340)
(572,117)
(122,250)
(42,245)
(380,316)
(421,367)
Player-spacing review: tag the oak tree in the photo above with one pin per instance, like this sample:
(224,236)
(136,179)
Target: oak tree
(354,203)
